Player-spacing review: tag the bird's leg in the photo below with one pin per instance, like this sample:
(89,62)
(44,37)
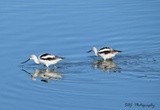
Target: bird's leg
(45,66)
(55,66)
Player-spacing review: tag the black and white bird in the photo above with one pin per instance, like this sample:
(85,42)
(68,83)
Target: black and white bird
(105,52)
(45,59)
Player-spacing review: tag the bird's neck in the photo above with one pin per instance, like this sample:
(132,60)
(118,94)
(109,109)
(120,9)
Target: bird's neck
(95,51)
(36,60)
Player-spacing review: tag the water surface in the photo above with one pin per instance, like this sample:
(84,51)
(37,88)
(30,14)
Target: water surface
(82,81)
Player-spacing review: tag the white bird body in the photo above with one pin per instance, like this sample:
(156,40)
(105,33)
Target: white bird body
(105,52)
(46,59)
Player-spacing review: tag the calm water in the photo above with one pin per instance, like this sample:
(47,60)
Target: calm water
(69,28)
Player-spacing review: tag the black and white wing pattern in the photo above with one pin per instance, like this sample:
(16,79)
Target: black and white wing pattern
(105,50)
(48,57)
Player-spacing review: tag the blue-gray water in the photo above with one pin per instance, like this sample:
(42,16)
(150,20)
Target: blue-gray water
(69,28)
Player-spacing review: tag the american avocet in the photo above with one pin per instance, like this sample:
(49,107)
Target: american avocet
(105,52)
(46,59)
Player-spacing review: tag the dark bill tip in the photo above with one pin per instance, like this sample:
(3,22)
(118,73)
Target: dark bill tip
(25,61)
(89,51)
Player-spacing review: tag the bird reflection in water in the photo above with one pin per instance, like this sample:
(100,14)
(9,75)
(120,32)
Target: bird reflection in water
(106,65)
(44,74)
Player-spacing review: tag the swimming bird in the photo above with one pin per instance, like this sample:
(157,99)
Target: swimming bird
(45,59)
(105,52)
